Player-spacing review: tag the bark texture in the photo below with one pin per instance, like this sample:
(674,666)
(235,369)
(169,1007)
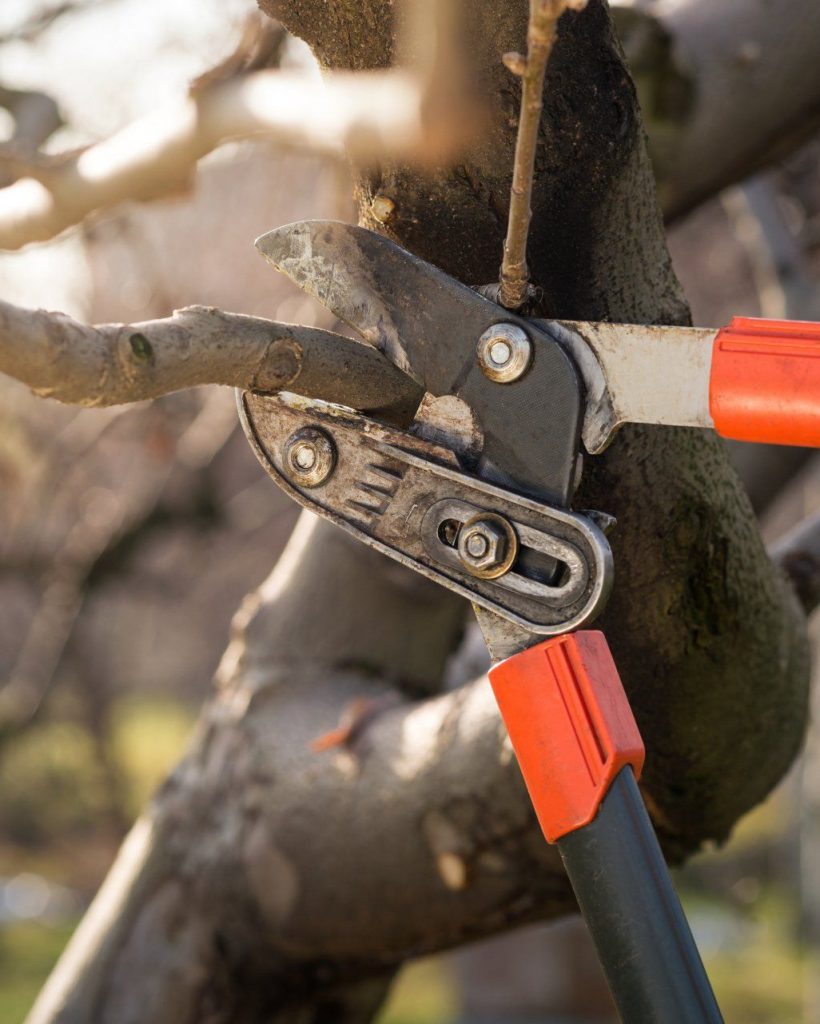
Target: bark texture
(111,364)
(696,598)
(271,883)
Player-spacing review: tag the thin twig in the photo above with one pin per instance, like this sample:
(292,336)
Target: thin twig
(543,25)
(91,555)
(261,45)
(36,117)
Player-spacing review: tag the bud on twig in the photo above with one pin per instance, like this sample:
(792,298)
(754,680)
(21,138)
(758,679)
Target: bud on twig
(544,14)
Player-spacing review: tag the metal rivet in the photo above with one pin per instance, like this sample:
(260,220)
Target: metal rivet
(304,455)
(500,353)
(309,457)
(487,546)
(504,353)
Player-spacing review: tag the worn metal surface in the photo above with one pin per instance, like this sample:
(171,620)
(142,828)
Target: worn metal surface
(638,374)
(523,433)
(428,324)
(450,422)
(631,373)
(387,489)
(528,542)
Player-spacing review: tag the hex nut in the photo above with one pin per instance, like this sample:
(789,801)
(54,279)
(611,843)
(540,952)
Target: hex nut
(487,546)
(309,457)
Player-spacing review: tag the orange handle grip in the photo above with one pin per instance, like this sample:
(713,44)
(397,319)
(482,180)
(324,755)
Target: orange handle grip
(765,382)
(570,725)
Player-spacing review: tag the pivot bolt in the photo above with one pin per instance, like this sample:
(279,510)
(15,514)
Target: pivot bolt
(309,457)
(504,353)
(487,546)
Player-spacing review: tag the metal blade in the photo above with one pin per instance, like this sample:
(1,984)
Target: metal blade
(638,374)
(429,325)
(407,308)
(332,262)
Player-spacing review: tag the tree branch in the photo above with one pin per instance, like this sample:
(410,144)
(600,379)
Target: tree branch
(725,88)
(240,892)
(91,553)
(415,115)
(39,22)
(425,809)
(36,118)
(116,363)
(719,613)
(798,555)
(541,32)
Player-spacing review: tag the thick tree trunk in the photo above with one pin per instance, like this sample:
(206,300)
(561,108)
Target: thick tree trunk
(688,603)
(271,883)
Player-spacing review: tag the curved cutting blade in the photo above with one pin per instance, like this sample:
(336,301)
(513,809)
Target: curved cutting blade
(429,324)
(425,321)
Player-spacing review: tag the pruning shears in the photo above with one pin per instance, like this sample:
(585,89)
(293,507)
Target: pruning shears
(470,484)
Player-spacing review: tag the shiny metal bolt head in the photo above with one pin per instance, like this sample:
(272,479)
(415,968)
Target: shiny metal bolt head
(500,354)
(487,546)
(477,544)
(309,457)
(304,455)
(504,353)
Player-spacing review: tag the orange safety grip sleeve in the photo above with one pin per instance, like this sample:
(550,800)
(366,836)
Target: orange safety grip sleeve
(765,382)
(570,725)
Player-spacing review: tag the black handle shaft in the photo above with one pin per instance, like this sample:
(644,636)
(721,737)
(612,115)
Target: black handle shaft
(626,896)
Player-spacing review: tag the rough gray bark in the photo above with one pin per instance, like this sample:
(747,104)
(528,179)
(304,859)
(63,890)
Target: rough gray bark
(277,884)
(725,88)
